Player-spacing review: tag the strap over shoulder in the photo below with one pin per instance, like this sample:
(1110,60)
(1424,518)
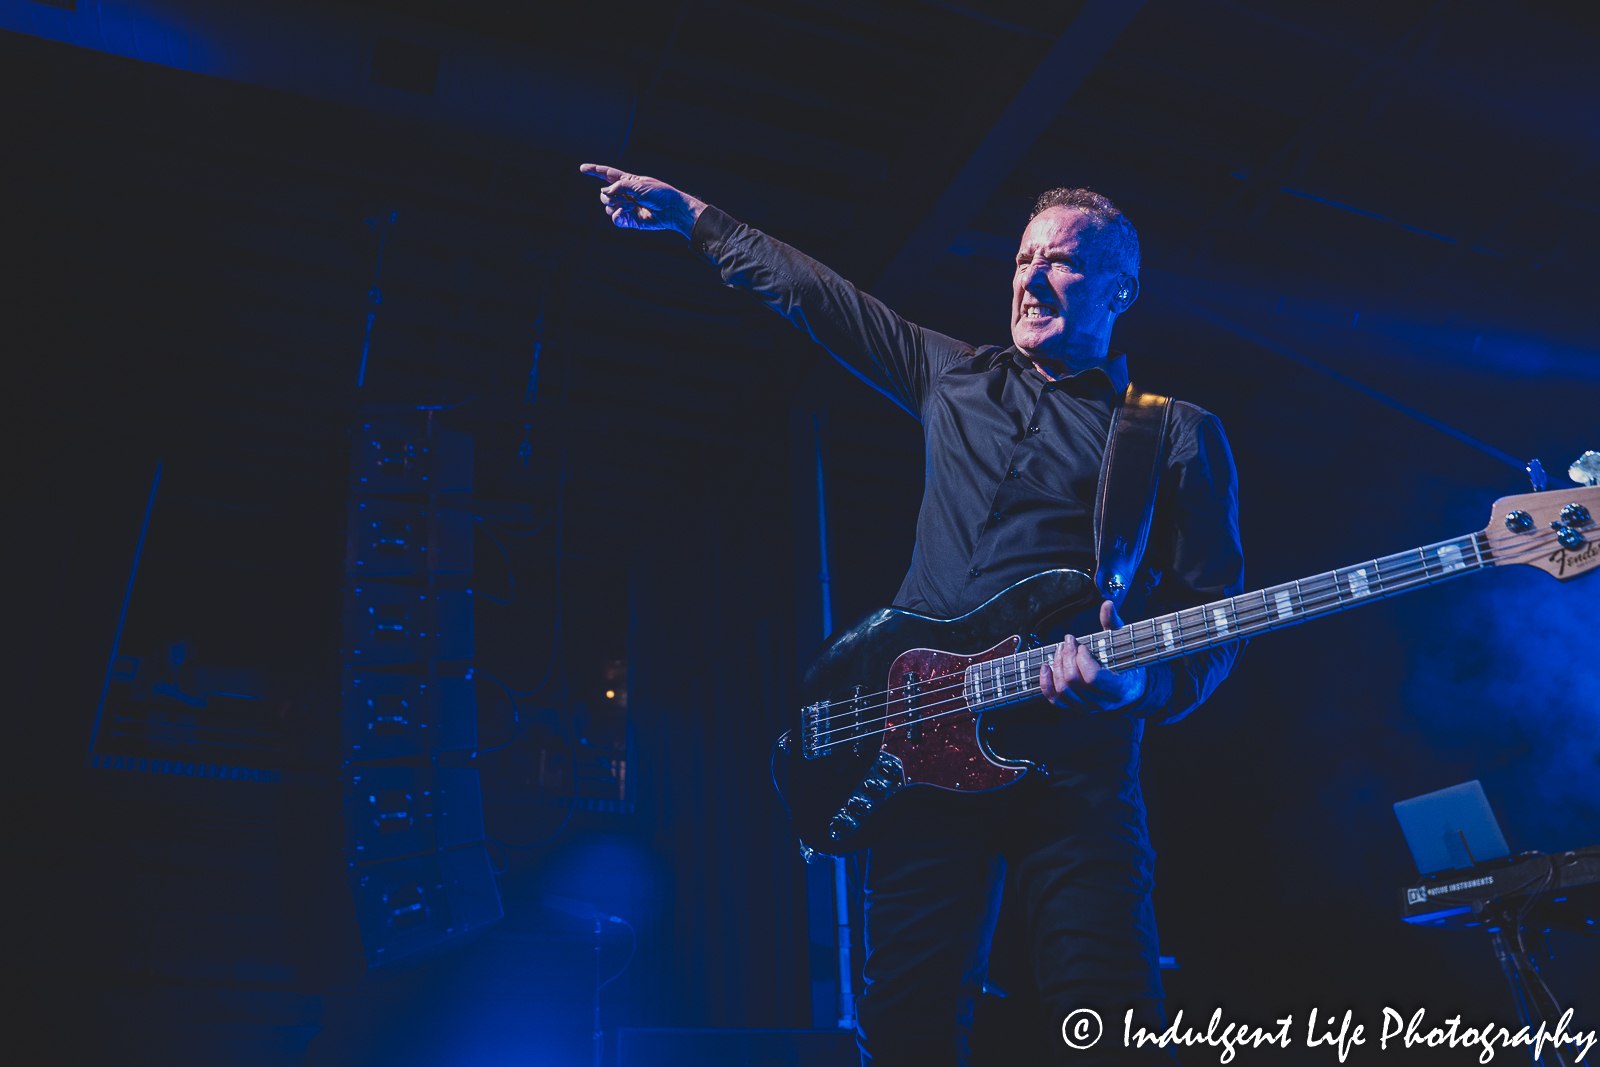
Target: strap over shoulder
(1130,476)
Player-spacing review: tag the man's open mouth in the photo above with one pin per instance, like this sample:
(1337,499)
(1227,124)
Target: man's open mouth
(1037,311)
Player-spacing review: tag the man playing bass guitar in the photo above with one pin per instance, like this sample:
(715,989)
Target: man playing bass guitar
(1015,439)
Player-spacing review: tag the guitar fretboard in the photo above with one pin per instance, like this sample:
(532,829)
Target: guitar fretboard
(1016,677)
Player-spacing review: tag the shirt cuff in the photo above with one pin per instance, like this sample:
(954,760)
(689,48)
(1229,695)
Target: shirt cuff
(710,231)
(1157,692)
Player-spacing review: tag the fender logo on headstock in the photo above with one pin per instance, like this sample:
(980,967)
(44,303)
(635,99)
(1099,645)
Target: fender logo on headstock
(1554,531)
(1563,558)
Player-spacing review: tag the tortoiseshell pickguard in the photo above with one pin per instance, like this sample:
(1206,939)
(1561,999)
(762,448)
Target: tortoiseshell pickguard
(948,754)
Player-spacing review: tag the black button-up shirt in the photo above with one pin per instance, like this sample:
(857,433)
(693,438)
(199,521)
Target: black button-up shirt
(1012,458)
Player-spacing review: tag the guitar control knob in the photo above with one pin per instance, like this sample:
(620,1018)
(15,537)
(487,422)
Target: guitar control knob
(875,785)
(841,826)
(858,805)
(1519,522)
(1575,515)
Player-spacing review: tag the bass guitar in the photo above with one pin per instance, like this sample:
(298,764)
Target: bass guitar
(894,708)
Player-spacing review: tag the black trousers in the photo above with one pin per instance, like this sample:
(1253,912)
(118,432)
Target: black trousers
(1077,846)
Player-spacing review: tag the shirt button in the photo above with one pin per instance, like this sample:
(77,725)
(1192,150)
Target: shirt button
(974,572)
(1033,429)
(997,516)
(1049,387)
(1013,473)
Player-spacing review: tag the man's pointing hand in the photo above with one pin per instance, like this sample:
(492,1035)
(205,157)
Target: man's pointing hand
(636,202)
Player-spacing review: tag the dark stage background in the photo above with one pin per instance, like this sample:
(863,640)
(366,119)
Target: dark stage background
(1403,192)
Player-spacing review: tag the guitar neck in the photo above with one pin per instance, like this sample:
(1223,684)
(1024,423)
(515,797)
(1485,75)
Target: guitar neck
(1166,637)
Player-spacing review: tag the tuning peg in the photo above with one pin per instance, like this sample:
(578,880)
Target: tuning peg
(1585,470)
(1535,471)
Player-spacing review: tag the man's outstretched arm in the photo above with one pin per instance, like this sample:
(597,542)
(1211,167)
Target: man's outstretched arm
(896,357)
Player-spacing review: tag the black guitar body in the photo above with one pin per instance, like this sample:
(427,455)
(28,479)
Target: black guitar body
(885,723)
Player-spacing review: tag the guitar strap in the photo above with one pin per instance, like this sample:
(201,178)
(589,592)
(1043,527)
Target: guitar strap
(1130,477)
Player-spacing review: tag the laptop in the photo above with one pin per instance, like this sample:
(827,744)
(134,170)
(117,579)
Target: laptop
(1451,828)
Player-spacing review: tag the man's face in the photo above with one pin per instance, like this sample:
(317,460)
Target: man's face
(1061,294)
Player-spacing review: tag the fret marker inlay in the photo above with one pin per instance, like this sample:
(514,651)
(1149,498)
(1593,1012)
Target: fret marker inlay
(1450,558)
(1221,617)
(1284,605)
(1358,582)
(1167,640)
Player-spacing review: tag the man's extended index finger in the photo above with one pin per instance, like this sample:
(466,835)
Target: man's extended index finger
(601,171)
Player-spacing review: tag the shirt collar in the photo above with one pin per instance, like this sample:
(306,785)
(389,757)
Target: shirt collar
(1112,374)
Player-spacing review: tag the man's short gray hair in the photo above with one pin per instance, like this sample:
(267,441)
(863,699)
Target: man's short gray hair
(1119,241)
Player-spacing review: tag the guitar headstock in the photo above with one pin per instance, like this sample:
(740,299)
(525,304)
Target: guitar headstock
(1557,531)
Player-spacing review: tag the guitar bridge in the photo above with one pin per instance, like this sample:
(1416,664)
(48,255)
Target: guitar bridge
(824,729)
(813,725)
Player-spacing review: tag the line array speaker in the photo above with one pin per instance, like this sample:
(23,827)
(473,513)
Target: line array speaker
(414,839)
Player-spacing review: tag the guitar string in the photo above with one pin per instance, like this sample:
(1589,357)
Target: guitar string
(1245,625)
(1322,596)
(1006,673)
(1010,696)
(1251,622)
(1152,624)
